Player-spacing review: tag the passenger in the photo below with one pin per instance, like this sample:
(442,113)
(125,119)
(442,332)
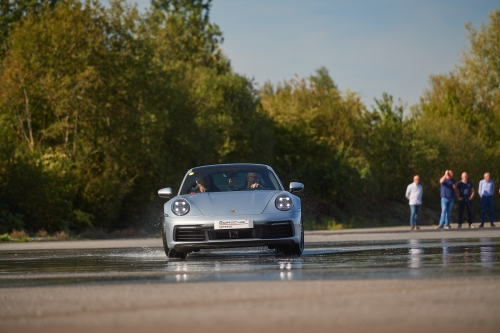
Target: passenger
(231,181)
(448,188)
(204,184)
(465,193)
(414,193)
(486,191)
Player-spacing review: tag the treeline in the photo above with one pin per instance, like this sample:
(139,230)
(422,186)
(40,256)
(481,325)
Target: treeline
(100,107)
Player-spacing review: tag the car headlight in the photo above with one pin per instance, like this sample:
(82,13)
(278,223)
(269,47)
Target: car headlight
(284,202)
(180,207)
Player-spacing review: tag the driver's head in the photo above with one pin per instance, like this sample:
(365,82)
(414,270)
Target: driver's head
(252,178)
(231,178)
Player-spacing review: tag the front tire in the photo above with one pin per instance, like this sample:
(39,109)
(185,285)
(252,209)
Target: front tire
(164,238)
(171,253)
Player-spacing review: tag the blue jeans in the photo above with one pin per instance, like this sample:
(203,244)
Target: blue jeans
(415,211)
(487,204)
(446,205)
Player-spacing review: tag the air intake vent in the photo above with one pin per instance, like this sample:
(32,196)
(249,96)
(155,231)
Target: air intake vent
(277,230)
(189,234)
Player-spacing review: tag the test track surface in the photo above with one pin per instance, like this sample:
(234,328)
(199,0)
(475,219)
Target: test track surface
(441,304)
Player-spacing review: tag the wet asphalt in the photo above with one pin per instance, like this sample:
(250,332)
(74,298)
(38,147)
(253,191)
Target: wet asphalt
(373,280)
(463,254)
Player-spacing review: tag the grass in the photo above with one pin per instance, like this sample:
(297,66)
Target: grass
(321,223)
(22,236)
(42,235)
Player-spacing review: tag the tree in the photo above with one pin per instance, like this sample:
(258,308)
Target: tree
(319,134)
(388,148)
(184,35)
(99,112)
(457,116)
(12,11)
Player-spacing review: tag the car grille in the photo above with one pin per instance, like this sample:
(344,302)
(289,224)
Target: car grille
(189,234)
(271,230)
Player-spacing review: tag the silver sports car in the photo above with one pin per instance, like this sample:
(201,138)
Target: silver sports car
(232,205)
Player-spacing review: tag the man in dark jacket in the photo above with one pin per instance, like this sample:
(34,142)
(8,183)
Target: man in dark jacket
(465,192)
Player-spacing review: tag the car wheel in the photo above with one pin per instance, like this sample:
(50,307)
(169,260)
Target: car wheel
(164,238)
(297,249)
(172,254)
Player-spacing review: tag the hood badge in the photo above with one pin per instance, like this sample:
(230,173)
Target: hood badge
(232,210)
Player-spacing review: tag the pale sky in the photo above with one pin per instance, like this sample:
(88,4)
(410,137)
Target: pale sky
(368,46)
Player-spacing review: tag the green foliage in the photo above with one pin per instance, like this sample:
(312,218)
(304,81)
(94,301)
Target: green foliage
(109,105)
(100,107)
(12,11)
(388,149)
(184,34)
(319,135)
(8,220)
(459,113)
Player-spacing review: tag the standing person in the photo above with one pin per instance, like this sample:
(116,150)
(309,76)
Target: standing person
(486,190)
(465,193)
(414,193)
(448,188)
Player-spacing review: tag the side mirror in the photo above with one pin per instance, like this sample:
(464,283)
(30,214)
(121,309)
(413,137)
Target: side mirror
(165,193)
(296,187)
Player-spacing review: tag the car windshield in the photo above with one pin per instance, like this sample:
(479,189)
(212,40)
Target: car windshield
(229,178)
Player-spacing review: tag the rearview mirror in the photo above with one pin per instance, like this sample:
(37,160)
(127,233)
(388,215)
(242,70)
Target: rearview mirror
(296,187)
(165,193)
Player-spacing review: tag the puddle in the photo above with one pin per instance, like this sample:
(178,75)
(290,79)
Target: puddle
(343,260)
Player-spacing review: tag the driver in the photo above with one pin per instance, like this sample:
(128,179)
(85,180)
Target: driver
(253,181)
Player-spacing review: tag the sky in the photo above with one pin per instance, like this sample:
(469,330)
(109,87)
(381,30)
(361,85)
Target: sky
(368,46)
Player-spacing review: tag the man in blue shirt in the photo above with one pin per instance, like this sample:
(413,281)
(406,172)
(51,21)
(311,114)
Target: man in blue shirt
(486,191)
(448,188)
(465,193)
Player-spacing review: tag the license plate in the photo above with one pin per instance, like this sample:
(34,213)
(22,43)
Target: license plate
(233,224)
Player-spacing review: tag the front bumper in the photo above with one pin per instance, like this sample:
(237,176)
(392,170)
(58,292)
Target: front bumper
(190,234)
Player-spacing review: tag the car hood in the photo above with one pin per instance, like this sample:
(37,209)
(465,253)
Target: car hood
(241,202)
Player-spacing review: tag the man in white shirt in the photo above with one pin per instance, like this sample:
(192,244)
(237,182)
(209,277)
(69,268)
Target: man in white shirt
(414,193)
(486,191)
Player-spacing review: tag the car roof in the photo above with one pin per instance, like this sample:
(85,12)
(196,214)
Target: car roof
(232,165)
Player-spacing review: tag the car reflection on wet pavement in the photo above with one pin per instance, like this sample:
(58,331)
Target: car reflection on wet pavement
(345,260)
